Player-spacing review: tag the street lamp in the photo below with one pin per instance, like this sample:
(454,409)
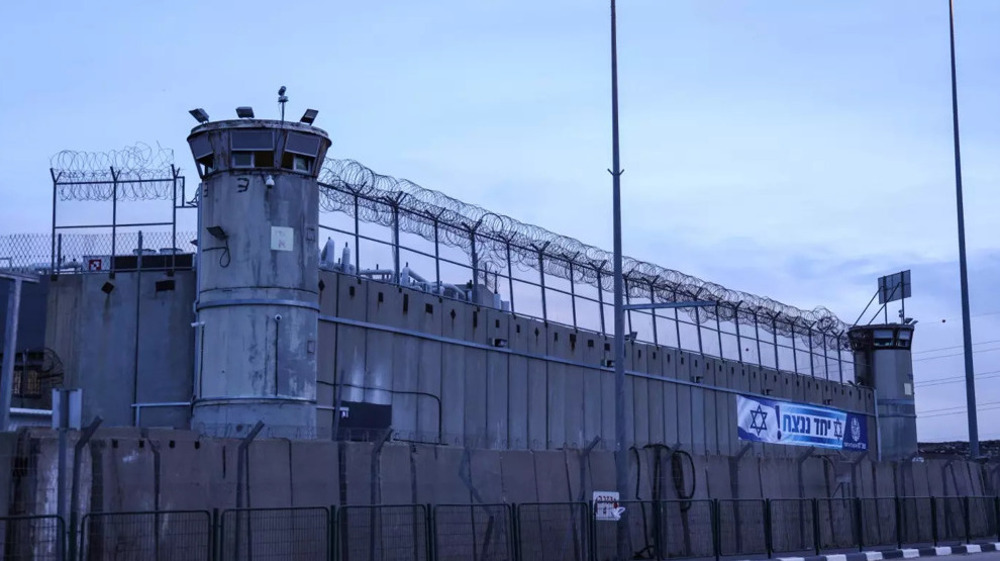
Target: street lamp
(621,458)
(970,382)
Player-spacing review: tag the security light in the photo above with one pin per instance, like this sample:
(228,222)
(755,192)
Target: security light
(217,232)
(309,116)
(199,114)
(244,112)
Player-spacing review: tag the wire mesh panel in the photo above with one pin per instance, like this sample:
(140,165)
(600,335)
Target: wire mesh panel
(164,535)
(383,533)
(950,519)
(838,523)
(473,532)
(792,525)
(659,530)
(553,531)
(299,534)
(742,526)
(640,524)
(916,520)
(36,538)
(878,522)
(982,518)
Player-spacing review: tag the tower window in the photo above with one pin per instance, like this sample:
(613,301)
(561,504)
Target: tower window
(242,159)
(300,163)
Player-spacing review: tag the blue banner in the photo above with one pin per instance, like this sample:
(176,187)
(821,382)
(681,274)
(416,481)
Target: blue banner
(799,424)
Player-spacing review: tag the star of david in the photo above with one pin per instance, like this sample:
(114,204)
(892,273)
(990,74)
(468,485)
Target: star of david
(754,414)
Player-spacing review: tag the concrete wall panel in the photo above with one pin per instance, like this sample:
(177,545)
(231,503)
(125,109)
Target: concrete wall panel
(315,473)
(497,381)
(518,475)
(395,482)
(556,388)
(476,389)
(453,374)
(269,471)
(538,431)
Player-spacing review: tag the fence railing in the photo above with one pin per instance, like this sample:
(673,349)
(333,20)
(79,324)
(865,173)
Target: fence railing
(671,529)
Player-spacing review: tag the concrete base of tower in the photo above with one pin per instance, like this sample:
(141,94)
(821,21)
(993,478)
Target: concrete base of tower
(282,417)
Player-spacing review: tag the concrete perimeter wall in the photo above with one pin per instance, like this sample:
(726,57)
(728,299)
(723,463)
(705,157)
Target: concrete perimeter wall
(546,389)
(435,361)
(125,470)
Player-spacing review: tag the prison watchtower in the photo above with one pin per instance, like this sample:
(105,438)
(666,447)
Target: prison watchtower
(257,269)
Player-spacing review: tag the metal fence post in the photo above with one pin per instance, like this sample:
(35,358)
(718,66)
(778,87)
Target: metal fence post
(216,539)
(859,523)
(768,529)
(996,515)
(899,528)
(333,541)
(73,537)
(816,537)
(968,519)
(934,520)
(429,531)
(716,530)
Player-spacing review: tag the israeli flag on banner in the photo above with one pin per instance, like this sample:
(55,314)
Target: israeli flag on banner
(799,424)
(758,420)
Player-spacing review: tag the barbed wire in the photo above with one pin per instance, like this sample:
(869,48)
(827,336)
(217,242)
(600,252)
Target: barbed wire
(139,173)
(349,187)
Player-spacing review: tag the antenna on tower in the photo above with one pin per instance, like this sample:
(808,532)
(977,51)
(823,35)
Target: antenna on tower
(282,99)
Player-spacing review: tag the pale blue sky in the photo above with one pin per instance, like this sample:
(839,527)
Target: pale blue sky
(795,149)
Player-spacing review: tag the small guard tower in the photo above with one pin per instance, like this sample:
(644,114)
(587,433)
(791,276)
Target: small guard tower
(883,360)
(257,267)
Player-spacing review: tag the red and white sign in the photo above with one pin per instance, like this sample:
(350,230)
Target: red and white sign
(95,263)
(607,507)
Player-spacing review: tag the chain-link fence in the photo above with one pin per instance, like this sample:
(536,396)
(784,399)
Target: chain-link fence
(92,252)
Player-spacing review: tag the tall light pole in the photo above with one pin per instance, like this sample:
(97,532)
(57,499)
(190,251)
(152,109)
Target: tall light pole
(970,381)
(621,459)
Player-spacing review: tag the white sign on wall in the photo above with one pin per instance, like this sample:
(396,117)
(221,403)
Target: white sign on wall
(606,506)
(282,238)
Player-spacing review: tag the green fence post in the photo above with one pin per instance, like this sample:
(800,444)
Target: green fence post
(332,539)
(768,537)
(431,517)
(996,515)
(216,539)
(859,526)
(816,538)
(968,518)
(934,521)
(899,521)
(516,531)
(716,529)
(73,553)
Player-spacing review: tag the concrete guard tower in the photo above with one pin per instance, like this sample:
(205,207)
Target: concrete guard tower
(258,303)
(883,360)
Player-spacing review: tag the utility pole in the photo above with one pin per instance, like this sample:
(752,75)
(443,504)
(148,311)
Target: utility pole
(970,381)
(621,460)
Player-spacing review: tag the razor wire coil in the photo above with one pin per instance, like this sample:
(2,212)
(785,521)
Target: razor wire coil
(349,187)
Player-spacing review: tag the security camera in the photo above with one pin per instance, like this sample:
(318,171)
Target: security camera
(269,181)
(277,317)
